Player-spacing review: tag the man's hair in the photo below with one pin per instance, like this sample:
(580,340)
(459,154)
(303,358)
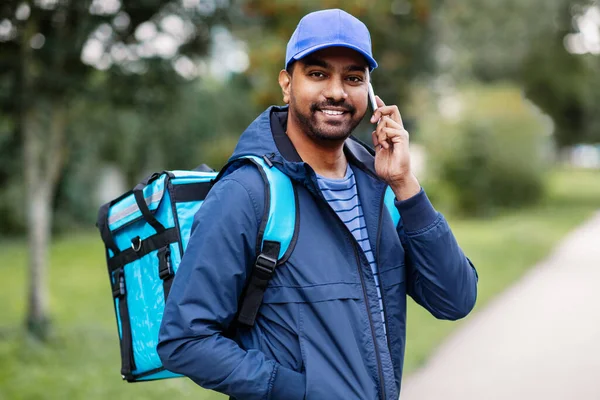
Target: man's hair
(290,67)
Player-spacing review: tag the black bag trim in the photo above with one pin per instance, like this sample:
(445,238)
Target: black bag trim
(203,168)
(263,271)
(165,269)
(120,292)
(190,191)
(136,378)
(169,187)
(105,233)
(146,246)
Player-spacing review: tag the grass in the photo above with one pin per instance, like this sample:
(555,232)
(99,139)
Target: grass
(503,248)
(81,360)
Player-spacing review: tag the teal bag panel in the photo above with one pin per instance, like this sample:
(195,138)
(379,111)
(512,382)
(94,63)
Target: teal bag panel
(389,204)
(145,299)
(145,296)
(186,211)
(175,259)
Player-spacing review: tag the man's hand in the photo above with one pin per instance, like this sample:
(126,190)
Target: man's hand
(392,156)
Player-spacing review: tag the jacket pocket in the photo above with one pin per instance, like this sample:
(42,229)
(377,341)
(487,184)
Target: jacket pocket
(333,336)
(311,293)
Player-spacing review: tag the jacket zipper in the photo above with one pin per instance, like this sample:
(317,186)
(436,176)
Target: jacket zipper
(382,210)
(362,283)
(377,355)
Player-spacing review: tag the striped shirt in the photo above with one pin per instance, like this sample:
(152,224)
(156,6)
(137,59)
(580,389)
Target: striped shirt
(342,196)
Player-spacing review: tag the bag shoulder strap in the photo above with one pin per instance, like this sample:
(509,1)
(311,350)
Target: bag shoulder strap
(276,236)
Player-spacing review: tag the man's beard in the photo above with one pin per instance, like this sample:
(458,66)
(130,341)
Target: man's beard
(326,132)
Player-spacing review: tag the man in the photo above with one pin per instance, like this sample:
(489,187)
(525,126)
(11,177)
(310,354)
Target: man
(332,321)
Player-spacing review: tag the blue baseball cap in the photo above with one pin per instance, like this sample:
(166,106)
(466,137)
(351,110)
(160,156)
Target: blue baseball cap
(329,28)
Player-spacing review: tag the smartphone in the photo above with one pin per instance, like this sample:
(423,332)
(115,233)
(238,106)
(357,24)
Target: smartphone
(372,97)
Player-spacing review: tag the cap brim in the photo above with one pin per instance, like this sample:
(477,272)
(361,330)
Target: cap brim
(298,56)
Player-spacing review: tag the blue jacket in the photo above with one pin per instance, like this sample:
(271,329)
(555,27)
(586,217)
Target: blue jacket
(318,333)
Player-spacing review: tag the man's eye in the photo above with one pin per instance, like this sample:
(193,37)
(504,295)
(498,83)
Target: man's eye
(317,74)
(355,79)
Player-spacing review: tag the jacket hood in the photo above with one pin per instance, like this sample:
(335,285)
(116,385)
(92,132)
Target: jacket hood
(266,137)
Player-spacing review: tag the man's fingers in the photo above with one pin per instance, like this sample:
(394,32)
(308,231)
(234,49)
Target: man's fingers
(388,132)
(383,110)
(375,140)
(396,135)
(383,131)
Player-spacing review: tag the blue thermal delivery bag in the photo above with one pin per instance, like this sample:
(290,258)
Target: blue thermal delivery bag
(146,231)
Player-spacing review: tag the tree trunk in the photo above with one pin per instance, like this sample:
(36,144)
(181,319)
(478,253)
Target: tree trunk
(38,227)
(44,155)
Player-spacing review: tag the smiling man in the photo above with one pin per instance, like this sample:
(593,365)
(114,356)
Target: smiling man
(332,321)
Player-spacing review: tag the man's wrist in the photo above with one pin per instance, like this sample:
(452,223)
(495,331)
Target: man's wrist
(406,188)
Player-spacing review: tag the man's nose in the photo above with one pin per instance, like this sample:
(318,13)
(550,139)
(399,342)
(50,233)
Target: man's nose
(335,90)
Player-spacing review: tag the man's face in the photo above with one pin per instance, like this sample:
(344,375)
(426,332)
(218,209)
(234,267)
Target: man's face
(327,93)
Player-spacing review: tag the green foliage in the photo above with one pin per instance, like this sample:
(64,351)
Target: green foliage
(492,156)
(201,124)
(124,104)
(566,86)
(525,42)
(488,39)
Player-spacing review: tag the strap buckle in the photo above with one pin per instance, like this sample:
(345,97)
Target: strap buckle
(118,287)
(265,265)
(165,270)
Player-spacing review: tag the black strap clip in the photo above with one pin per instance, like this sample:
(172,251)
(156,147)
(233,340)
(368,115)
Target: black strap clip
(165,270)
(118,287)
(264,266)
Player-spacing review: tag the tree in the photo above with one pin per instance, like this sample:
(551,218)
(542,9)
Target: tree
(53,54)
(562,78)
(526,42)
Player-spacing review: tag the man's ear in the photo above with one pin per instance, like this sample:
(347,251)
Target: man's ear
(285,82)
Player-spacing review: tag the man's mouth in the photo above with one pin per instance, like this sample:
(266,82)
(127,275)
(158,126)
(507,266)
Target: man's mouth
(332,112)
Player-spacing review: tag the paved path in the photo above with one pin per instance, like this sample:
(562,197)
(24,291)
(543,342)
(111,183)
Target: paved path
(538,340)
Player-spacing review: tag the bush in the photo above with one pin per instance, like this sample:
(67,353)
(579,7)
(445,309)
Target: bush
(492,154)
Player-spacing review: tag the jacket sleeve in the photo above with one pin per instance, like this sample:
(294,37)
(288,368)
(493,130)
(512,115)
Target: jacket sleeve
(439,276)
(203,301)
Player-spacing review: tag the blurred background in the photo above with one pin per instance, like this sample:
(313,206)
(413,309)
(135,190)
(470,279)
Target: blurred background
(500,97)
